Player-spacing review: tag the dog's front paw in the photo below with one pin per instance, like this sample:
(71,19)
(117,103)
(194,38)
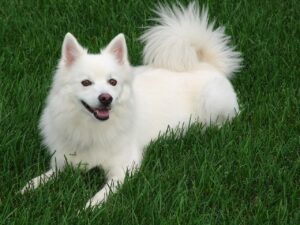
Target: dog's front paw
(102,195)
(37,181)
(32,184)
(94,203)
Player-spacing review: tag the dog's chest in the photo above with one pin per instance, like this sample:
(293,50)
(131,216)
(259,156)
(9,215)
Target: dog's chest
(96,155)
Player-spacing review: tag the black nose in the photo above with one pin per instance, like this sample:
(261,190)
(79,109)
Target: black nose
(105,99)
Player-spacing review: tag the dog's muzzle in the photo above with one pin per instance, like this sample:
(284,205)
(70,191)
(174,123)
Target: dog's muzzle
(101,112)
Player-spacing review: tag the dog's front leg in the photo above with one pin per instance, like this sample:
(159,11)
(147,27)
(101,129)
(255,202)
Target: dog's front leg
(116,175)
(101,195)
(39,180)
(110,187)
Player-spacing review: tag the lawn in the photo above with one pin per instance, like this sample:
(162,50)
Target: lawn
(247,172)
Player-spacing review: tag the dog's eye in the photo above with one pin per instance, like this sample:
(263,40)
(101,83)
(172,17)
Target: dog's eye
(112,82)
(86,83)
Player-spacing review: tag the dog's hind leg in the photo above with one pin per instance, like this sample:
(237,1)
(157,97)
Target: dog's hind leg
(37,181)
(218,103)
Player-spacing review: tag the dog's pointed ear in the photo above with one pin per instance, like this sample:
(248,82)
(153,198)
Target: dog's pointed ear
(118,48)
(71,49)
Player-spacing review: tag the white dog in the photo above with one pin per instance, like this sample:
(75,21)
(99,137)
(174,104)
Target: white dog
(102,112)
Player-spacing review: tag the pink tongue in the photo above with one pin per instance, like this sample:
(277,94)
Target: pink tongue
(101,113)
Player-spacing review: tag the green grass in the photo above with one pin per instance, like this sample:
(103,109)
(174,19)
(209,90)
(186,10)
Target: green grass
(248,172)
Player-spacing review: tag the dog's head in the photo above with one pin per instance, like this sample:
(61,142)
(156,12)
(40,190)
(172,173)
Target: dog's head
(95,82)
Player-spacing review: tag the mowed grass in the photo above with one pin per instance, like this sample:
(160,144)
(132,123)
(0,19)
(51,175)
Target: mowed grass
(247,172)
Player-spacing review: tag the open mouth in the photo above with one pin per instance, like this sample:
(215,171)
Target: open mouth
(100,113)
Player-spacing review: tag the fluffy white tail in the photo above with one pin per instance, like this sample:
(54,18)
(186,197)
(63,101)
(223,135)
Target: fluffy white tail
(183,38)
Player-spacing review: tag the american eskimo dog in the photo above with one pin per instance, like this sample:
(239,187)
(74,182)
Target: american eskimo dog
(103,112)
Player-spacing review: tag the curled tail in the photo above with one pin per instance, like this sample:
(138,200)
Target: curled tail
(183,38)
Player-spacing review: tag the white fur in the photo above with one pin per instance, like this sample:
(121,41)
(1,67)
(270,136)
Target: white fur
(176,87)
(184,37)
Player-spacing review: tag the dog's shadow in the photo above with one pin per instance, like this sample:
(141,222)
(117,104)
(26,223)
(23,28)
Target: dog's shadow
(83,182)
(94,178)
